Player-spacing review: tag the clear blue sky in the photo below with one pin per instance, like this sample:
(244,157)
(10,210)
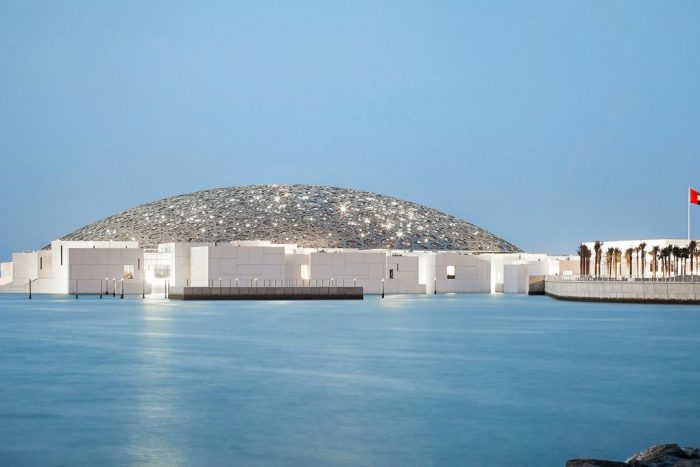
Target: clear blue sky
(546,123)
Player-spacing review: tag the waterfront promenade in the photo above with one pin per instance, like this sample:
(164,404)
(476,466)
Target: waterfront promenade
(674,290)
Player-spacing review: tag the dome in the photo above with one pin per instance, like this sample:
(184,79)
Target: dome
(306,215)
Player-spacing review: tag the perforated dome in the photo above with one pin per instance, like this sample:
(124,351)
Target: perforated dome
(307,215)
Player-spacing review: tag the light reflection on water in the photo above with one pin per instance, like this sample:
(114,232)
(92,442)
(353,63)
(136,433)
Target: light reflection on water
(446,380)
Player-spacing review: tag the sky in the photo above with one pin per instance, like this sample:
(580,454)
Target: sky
(546,123)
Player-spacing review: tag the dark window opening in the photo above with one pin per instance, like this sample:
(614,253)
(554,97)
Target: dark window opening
(61,255)
(41,263)
(391,273)
(138,263)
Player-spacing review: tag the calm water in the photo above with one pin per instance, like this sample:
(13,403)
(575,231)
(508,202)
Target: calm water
(450,380)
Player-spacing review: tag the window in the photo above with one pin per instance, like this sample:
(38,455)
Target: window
(450,272)
(305,272)
(41,262)
(391,273)
(61,255)
(128,271)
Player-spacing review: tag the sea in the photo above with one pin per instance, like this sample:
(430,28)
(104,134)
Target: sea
(464,380)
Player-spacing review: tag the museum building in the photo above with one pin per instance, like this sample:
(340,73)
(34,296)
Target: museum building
(278,235)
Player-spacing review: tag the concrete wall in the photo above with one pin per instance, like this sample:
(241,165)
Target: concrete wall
(366,268)
(472,273)
(89,267)
(623,290)
(515,278)
(176,256)
(5,273)
(405,275)
(60,251)
(229,262)
(25,266)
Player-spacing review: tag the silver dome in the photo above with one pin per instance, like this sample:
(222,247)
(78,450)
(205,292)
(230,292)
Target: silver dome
(307,215)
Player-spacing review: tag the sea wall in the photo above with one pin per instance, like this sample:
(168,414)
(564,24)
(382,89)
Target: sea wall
(623,291)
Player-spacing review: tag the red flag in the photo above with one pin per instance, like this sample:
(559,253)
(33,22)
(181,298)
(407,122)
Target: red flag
(693,196)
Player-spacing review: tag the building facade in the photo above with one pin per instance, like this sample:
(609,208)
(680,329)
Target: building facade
(277,234)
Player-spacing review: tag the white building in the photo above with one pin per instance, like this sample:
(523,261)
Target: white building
(278,235)
(91,267)
(642,261)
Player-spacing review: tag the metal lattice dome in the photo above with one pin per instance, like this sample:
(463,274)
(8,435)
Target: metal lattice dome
(307,215)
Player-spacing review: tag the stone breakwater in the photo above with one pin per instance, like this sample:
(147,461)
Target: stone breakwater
(623,291)
(660,455)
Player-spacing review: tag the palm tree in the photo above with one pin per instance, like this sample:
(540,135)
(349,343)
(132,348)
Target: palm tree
(642,246)
(655,257)
(584,254)
(666,261)
(628,258)
(598,248)
(610,258)
(685,254)
(692,246)
(587,264)
(636,254)
(676,253)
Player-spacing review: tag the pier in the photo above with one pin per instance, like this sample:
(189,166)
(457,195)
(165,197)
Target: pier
(266,293)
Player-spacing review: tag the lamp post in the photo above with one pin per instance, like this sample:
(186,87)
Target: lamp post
(76,289)
(236,282)
(382,288)
(354,282)
(143,287)
(435,287)
(114,289)
(106,286)
(30,288)
(122,294)
(100,288)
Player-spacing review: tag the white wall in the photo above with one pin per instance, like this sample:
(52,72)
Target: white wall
(473,273)
(5,273)
(60,251)
(245,263)
(363,268)
(89,267)
(25,266)
(515,278)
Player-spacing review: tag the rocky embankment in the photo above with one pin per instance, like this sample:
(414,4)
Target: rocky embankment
(661,455)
